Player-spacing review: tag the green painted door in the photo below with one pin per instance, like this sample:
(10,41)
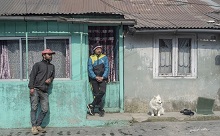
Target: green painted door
(108,38)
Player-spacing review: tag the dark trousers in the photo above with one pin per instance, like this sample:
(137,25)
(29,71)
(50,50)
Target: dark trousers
(99,89)
(42,98)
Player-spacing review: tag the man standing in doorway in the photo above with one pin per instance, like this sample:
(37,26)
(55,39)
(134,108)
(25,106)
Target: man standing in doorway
(41,77)
(98,70)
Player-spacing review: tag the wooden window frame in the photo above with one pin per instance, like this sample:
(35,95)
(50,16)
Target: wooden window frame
(174,73)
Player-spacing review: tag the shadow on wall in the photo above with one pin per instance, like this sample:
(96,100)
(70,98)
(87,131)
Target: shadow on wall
(217,60)
(46,120)
(217,101)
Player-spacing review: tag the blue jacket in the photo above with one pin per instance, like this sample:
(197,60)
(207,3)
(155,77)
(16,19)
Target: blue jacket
(98,66)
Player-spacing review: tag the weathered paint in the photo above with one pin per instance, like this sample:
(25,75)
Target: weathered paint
(65,110)
(177,94)
(67,106)
(68,98)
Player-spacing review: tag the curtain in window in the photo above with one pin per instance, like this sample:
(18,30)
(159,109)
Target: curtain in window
(10,59)
(184,56)
(4,61)
(105,35)
(165,56)
(35,47)
(61,59)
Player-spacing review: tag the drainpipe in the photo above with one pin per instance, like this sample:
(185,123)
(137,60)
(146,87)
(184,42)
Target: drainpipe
(20,50)
(81,36)
(26,37)
(26,54)
(121,68)
(26,43)
(81,46)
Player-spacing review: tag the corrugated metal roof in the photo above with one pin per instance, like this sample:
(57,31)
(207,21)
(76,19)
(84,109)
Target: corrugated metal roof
(151,14)
(39,7)
(171,14)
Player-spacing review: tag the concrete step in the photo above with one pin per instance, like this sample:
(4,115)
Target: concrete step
(144,117)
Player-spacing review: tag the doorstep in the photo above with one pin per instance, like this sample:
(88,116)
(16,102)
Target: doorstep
(144,117)
(110,119)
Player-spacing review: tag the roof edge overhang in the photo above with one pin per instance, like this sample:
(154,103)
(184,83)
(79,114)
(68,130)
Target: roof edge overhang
(72,20)
(199,30)
(129,22)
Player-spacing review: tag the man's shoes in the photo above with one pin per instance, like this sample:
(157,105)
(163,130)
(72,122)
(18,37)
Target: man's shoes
(91,109)
(40,129)
(101,113)
(34,130)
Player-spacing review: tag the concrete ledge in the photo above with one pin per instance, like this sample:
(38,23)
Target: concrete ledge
(111,116)
(110,119)
(128,118)
(173,117)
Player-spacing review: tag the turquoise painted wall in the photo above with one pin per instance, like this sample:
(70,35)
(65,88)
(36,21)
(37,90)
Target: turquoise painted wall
(68,98)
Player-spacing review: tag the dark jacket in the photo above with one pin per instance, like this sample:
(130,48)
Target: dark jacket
(41,71)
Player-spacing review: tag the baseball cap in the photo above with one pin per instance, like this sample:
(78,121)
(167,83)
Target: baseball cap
(48,51)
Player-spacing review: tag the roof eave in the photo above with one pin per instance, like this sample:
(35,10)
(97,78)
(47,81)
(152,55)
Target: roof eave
(199,30)
(104,21)
(73,20)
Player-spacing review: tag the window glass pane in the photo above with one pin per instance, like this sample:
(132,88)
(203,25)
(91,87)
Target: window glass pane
(61,59)
(165,56)
(184,56)
(35,47)
(9,59)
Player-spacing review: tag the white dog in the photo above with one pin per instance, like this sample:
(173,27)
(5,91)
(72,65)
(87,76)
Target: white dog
(156,108)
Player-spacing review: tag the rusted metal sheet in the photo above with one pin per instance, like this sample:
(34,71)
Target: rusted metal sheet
(150,14)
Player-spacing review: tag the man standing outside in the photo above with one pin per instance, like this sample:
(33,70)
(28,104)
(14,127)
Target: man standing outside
(98,70)
(41,77)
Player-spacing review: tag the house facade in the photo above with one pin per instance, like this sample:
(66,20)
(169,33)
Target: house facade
(70,91)
(178,87)
(174,53)
(71,34)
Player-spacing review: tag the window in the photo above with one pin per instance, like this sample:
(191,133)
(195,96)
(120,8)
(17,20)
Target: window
(175,56)
(62,58)
(15,63)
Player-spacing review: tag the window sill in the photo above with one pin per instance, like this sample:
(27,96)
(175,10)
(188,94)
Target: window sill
(11,80)
(175,77)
